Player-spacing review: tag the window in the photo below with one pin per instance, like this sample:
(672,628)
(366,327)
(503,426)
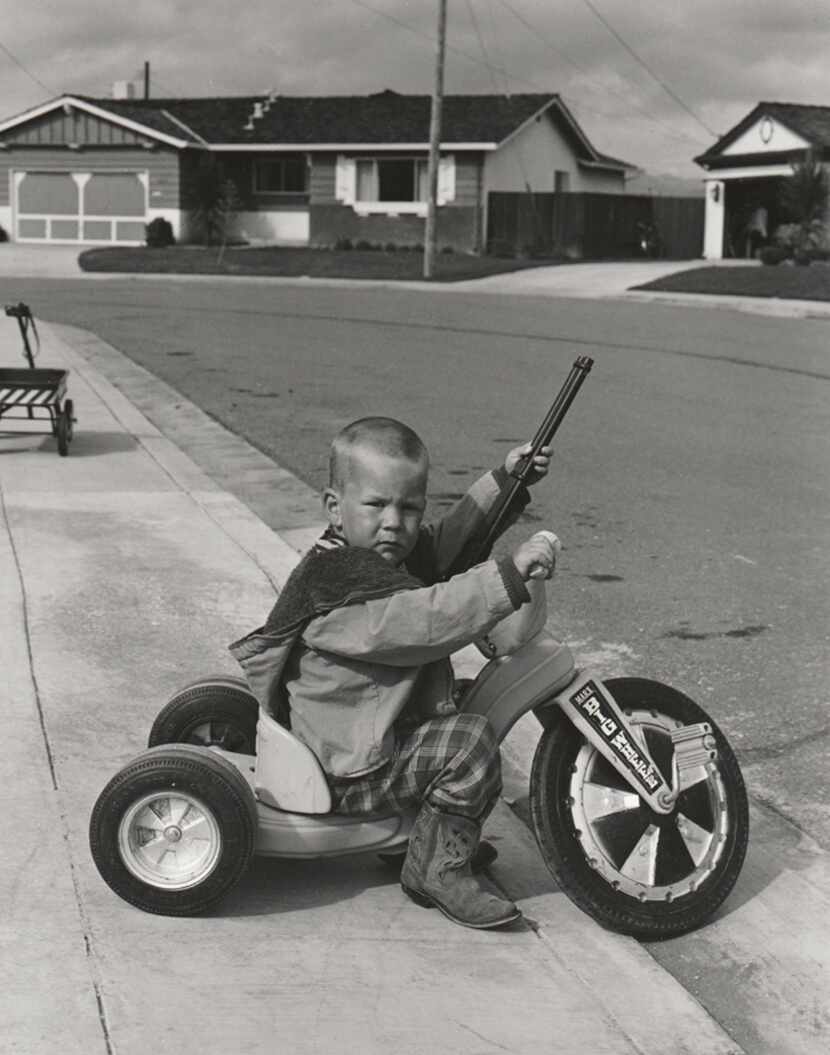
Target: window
(281,175)
(391,179)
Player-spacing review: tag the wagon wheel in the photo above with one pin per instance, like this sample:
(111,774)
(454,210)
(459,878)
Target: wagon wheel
(64,428)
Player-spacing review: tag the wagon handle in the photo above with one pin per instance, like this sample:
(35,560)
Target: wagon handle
(478,547)
(23,314)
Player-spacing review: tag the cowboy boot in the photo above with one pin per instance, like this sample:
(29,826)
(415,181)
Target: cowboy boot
(484,856)
(437,871)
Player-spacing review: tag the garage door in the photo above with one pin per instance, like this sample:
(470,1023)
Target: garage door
(108,207)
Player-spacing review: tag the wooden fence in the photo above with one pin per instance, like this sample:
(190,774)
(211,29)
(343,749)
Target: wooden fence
(592,226)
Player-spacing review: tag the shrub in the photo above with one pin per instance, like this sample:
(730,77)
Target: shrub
(361,243)
(158,233)
(391,247)
(802,257)
(343,243)
(447,249)
(217,200)
(4,237)
(773,254)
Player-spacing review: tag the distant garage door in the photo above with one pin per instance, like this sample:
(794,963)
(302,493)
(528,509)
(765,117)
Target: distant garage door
(108,207)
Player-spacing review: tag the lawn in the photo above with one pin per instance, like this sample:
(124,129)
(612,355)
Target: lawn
(397,265)
(786,281)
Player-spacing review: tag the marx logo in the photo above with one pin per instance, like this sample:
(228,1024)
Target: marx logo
(591,703)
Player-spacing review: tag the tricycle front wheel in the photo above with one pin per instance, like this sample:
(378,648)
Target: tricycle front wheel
(636,871)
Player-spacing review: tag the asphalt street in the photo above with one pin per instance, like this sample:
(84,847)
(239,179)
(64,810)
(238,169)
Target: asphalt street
(691,479)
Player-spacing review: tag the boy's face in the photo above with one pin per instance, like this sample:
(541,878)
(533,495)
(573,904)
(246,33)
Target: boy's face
(381,503)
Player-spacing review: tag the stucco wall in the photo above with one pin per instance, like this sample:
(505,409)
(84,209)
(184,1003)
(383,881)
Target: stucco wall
(535,155)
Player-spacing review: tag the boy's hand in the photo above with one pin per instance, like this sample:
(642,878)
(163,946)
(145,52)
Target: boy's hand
(536,558)
(541,463)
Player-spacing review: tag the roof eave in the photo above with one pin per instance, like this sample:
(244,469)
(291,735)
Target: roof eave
(298,148)
(96,111)
(621,167)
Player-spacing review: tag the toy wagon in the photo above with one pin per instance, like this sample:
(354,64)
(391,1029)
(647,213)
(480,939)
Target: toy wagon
(24,393)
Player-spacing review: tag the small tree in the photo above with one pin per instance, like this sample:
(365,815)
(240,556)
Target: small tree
(804,197)
(217,199)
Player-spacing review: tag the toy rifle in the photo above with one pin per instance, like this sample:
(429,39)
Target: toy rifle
(479,545)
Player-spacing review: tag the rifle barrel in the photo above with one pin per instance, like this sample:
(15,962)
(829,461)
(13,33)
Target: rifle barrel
(478,547)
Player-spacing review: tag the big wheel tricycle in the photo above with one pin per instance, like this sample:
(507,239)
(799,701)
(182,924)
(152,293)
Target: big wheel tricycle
(636,797)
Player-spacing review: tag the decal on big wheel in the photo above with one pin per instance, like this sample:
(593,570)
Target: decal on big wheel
(650,856)
(649,874)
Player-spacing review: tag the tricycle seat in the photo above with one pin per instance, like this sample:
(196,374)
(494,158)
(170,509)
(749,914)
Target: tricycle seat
(288,774)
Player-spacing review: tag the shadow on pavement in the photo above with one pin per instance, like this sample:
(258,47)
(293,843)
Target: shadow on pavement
(82,445)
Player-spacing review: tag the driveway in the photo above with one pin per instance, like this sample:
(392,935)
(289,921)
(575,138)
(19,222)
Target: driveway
(578,280)
(39,261)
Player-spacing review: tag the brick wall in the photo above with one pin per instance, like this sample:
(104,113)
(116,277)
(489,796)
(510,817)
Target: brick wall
(457,226)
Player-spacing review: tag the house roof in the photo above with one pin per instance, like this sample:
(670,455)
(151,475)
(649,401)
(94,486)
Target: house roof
(810,122)
(386,118)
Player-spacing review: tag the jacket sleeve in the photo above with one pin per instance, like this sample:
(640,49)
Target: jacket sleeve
(414,627)
(446,538)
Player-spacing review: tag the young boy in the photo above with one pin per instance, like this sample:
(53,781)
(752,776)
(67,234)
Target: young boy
(355,656)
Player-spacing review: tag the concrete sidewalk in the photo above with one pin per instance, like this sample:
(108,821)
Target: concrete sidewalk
(124,571)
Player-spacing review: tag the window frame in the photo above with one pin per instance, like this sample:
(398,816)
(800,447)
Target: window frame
(390,205)
(261,192)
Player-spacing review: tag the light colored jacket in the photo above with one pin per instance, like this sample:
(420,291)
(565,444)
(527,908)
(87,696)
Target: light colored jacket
(358,670)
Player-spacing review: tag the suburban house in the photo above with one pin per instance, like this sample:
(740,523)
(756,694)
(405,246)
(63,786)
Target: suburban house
(313,170)
(744,170)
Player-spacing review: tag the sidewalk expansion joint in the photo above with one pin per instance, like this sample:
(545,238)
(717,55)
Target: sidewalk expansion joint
(50,759)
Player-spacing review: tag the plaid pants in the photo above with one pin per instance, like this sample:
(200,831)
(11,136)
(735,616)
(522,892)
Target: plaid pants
(452,762)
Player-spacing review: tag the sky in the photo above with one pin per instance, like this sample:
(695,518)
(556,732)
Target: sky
(654,82)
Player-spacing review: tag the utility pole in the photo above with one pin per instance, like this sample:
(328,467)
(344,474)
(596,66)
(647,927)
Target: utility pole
(435,142)
(146,80)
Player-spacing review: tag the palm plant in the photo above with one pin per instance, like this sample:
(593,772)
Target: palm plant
(804,198)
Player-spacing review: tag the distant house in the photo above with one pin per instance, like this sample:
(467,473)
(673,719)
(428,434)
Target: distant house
(744,170)
(307,170)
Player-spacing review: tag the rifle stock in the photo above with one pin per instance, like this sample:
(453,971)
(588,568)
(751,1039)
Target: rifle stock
(479,545)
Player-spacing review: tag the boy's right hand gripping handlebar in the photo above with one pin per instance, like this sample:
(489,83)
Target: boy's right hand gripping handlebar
(479,545)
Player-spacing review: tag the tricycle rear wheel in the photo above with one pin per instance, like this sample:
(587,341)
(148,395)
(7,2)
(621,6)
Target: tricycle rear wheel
(173,832)
(219,711)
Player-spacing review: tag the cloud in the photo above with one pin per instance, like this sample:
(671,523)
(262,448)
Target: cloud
(719,58)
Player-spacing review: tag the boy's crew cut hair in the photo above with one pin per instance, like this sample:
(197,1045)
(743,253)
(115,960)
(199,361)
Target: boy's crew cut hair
(385,435)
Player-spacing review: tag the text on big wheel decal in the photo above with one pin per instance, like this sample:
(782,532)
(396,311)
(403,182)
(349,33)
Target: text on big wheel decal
(591,703)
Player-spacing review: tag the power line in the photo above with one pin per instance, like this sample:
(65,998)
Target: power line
(647,68)
(578,104)
(28,72)
(482,47)
(534,31)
